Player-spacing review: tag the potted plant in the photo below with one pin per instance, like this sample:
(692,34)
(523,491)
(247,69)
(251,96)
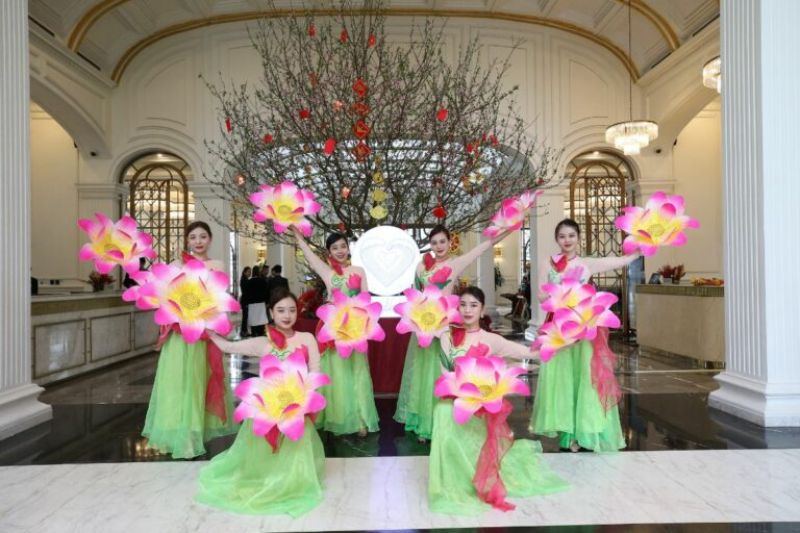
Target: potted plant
(665,272)
(677,273)
(98,281)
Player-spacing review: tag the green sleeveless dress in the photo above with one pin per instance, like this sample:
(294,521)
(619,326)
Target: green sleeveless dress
(249,478)
(350,399)
(567,405)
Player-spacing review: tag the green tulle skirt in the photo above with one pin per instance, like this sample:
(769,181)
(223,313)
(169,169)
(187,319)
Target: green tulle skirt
(249,478)
(177,422)
(454,454)
(416,401)
(350,402)
(568,406)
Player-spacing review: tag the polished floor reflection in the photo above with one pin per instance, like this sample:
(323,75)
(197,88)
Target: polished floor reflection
(98,418)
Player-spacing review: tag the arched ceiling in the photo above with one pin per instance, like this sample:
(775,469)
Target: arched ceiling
(110,33)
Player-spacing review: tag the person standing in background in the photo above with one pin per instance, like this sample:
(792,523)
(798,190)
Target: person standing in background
(256,294)
(244,331)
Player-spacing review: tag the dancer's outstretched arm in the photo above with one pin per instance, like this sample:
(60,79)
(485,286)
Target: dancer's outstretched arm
(319,266)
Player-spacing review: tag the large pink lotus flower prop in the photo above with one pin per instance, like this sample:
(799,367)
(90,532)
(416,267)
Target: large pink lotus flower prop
(286,205)
(349,322)
(427,314)
(115,243)
(190,295)
(562,331)
(596,312)
(480,381)
(279,399)
(512,212)
(661,222)
(567,294)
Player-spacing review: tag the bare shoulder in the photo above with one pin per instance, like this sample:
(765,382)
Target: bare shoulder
(304,337)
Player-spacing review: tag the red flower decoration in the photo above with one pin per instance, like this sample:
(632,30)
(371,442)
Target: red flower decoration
(403,227)
(371,40)
(439,211)
(493,139)
(470,148)
(360,108)
(361,151)
(330,146)
(341,227)
(304,114)
(338,105)
(345,192)
(312,30)
(360,88)
(442,115)
(268,138)
(361,129)
(228,126)
(344,36)
(277,338)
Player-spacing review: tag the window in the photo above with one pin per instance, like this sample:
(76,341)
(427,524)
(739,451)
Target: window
(160,200)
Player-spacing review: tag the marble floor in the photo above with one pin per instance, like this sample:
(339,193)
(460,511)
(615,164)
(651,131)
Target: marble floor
(686,468)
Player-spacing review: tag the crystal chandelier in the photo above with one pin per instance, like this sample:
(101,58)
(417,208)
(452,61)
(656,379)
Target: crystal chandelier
(712,74)
(633,135)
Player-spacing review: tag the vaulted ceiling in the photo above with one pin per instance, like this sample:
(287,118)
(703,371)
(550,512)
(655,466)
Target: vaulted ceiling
(110,33)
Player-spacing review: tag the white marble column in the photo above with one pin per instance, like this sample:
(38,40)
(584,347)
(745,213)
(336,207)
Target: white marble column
(548,213)
(19,407)
(486,281)
(760,113)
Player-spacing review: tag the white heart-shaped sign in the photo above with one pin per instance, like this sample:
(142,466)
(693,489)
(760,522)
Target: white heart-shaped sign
(389,256)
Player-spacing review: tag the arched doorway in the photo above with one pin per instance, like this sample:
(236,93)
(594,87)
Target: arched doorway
(160,200)
(600,186)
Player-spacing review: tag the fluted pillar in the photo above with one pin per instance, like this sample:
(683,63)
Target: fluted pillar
(19,407)
(760,113)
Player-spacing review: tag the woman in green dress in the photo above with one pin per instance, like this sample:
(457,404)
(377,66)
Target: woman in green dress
(415,402)
(182,415)
(455,448)
(350,404)
(249,477)
(568,404)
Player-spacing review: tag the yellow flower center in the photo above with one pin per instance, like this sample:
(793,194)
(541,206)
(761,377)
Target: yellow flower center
(656,229)
(486,390)
(285,398)
(428,320)
(356,324)
(189,301)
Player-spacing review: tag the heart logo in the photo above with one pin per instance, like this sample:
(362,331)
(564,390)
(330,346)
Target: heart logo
(389,260)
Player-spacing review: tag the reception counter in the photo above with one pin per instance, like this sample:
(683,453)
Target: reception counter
(683,320)
(76,333)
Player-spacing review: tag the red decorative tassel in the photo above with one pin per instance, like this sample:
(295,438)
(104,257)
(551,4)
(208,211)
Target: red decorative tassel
(228,125)
(442,115)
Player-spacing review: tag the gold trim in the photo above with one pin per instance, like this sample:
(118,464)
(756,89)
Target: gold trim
(79,31)
(661,24)
(134,50)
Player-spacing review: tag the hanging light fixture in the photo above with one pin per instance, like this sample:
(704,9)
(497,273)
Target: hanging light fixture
(633,135)
(712,74)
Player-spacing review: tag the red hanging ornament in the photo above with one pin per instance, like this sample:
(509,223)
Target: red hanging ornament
(439,211)
(371,40)
(304,114)
(228,125)
(345,192)
(360,88)
(268,138)
(442,114)
(493,139)
(361,129)
(540,181)
(403,227)
(338,105)
(312,30)
(470,148)
(341,226)
(330,146)
(313,79)
(344,36)
(360,108)
(361,151)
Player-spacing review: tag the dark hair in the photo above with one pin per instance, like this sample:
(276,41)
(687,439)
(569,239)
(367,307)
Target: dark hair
(333,238)
(246,270)
(438,228)
(568,222)
(475,292)
(277,269)
(279,294)
(256,271)
(198,224)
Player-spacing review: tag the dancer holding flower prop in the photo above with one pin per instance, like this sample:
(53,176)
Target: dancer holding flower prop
(286,206)
(577,392)
(277,462)
(351,402)
(191,400)
(438,269)
(474,461)
(115,243)
(661,222)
